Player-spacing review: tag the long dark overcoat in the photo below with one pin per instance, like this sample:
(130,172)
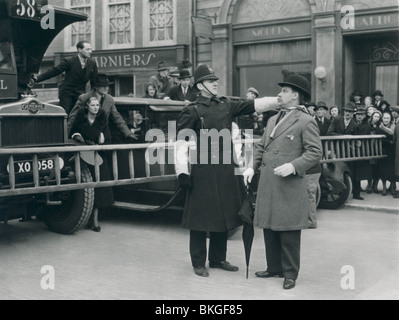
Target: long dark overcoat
(283,203)
(216,196)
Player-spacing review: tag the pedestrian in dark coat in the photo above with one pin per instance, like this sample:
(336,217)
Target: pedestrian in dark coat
(361,170)
(79,70)
(323,122)
(344,125)
(184,91)
(288,149)
(214,193)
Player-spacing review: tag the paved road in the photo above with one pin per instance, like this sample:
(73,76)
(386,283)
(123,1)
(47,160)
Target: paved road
(145,257)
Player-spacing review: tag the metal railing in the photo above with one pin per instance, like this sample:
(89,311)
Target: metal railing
(335,149)
(58,184)
(352,148)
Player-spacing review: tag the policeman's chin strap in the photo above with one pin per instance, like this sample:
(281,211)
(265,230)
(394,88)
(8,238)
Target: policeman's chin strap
(213,95)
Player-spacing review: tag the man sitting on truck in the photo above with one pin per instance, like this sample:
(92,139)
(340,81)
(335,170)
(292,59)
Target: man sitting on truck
(100,91)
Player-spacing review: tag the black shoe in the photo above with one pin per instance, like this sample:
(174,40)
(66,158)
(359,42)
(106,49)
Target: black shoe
(201,272)
(396,195)
(96,229)
(358,198)
(289,284)
(265,274)
(224,265)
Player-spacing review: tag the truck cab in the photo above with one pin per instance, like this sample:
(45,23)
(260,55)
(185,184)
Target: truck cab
(27,123)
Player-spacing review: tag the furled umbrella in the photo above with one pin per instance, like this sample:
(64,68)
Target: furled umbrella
(247,216)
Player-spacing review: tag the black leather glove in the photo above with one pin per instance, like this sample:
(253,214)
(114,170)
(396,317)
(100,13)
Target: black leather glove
(184,181)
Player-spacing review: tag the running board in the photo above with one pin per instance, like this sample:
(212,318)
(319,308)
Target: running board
(149,208)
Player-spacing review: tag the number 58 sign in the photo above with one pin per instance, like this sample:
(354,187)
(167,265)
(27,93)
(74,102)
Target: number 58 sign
(25,9)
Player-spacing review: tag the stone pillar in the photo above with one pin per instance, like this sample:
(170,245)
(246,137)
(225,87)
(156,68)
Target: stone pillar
(325,50)
(222,58)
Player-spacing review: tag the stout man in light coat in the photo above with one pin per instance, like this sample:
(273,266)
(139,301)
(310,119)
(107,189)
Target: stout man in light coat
(288,149)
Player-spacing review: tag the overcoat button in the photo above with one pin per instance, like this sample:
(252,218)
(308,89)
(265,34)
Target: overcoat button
(276,152)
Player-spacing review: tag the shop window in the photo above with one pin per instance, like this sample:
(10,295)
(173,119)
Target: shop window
(81,30)
(160,22)
(118,23)
(263,66)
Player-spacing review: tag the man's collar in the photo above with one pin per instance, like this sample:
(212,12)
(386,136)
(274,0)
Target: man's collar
(207,101)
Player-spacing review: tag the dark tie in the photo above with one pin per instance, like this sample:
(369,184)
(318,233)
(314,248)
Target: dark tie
(102,101)
(281,115)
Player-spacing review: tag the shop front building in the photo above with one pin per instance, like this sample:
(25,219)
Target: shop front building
(129,38)
(339,46)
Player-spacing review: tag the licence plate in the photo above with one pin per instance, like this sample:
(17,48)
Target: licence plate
(27,166)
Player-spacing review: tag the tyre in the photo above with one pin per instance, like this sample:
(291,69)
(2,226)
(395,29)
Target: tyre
(76,208)
(338,193)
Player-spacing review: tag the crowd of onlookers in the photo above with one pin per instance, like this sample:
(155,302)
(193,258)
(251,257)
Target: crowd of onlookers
(370,115)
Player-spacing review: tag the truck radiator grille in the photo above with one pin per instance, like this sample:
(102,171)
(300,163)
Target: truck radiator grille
(31,131)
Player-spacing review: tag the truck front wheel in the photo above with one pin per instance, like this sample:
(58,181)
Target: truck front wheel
(75,210)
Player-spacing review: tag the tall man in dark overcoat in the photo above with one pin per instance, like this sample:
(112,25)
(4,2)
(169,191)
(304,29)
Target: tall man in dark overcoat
(79,70)
(214,193)
(290,146)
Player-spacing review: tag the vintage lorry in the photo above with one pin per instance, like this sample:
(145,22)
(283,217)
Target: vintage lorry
(44,174)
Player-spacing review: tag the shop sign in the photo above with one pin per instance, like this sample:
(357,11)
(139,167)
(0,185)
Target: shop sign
(272,32)
(131,60)
(8,86)
(376,21)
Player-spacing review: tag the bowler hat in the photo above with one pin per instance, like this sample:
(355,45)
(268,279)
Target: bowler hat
(204,72)
(321,104)
(350,106)
(162,65)
(101,81)
(184,74)
(254,91)
(361,110)
(297,82)
(378,93)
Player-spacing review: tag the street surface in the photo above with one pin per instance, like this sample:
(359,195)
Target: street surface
(145,257)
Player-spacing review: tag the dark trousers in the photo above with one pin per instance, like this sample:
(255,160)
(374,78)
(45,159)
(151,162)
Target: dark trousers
(217,247)
(68,100)
(283,252)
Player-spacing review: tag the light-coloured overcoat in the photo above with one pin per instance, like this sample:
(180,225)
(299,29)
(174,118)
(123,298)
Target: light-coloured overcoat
(282,203)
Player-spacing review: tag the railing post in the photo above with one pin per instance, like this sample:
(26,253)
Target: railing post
(131,164)
(35,170)
(115,165)
(11,169)
(78,172)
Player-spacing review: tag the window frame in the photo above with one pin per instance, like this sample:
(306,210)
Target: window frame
(146,27)
(68,31)
(106,27)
